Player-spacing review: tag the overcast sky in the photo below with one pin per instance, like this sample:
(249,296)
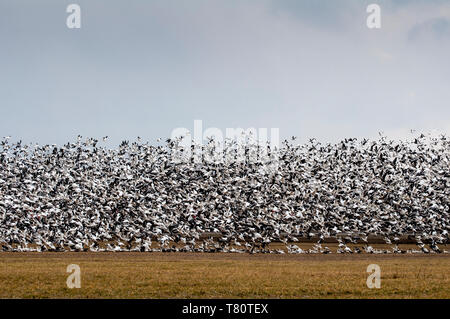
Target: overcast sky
(144,68)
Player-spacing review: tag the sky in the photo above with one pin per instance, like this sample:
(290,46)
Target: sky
(145,68)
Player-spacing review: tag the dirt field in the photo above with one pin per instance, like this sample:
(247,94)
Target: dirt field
(187,275)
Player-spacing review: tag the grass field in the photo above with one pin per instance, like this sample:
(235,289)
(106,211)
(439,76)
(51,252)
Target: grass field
(187,275)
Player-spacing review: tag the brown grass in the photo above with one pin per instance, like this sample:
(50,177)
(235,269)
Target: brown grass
(186,275)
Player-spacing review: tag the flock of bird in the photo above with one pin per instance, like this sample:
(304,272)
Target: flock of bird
(83,196)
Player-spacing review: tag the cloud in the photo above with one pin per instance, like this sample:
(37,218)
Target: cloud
(438,28)
(310,68)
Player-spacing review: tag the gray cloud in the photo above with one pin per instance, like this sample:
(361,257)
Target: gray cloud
(436,27)
(145,68)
